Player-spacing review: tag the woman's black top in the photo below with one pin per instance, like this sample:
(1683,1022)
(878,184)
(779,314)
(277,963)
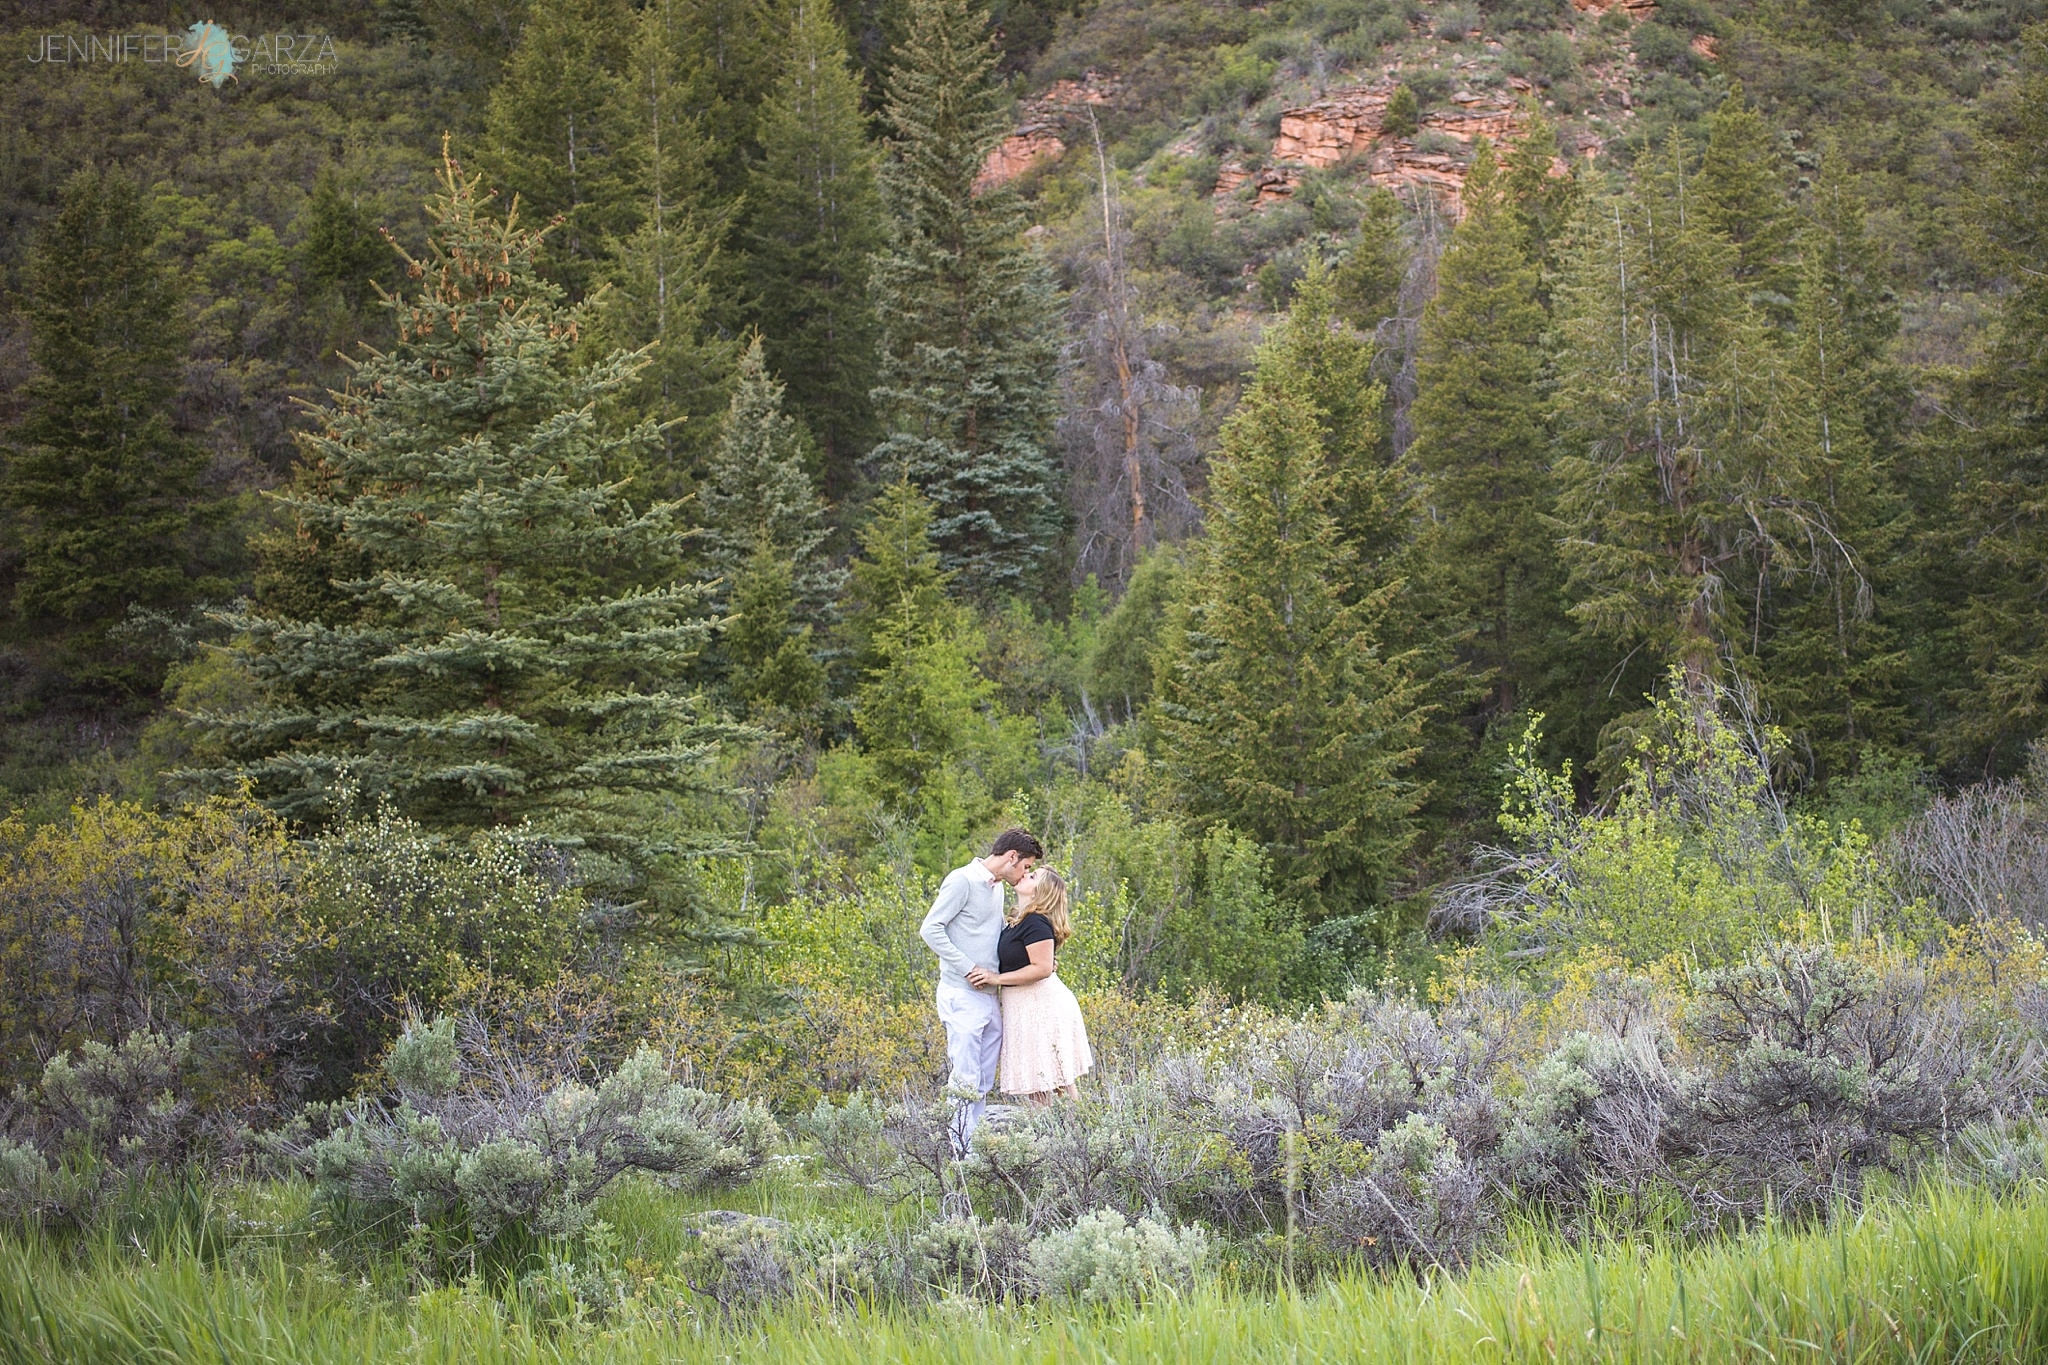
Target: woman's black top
(1013,949)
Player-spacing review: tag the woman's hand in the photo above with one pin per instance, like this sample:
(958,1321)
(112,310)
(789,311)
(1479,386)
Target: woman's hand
(982,976)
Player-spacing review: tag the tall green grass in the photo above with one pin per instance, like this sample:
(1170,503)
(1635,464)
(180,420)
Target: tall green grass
(1947,1274)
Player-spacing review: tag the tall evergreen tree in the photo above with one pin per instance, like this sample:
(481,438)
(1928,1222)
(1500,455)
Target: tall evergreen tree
(1481,447)
(557,137)
(665,277)
(1328,364)
(1282,716)
(813,222)
(763,524)
(1740,193)
(1368,280)
(914,648)
(773,666)
(729,54)
(756,487)
(970,349)
(1542,199)
(102,492)
(1833,668)
(340,248)
(2001,535)
(1685,485)
(506,657)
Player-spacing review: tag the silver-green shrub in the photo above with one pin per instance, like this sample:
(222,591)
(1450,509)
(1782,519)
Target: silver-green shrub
(1416,1198)
(1600,1111)
(1106,1258)
(471,1140)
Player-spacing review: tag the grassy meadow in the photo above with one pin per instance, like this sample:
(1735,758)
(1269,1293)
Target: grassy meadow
(1941,1272)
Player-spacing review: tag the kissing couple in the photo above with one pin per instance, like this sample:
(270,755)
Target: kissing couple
(998,995)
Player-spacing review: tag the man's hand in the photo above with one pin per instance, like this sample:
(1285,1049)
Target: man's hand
(980,976)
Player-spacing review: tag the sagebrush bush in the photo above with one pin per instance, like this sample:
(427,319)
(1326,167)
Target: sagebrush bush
(970,1258)
(1596,1114)
(1822,1066)
(471,1142)
(37,1193)
(1106,1258)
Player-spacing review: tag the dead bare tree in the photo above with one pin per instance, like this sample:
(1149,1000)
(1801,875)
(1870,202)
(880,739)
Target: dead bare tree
(1397,338)
(1127,431)
(1981,854)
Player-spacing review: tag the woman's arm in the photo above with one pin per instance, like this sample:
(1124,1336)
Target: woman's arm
(1040,967)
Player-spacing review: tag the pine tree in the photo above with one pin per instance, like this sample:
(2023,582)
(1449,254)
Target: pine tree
(1282,717)
(756,489)
(763,524)
(970,351)
(665,278)
(1368,280)
(1481,446)
(506,657)
(1328,365)
(102,491)
(557,137)
(1542,200)
(728,54)
(1833,668)
(1740,193)
(2002,500)
(1403,114)
(340,248)
(772,657)
(914,650)
(1685,488)
(813,222)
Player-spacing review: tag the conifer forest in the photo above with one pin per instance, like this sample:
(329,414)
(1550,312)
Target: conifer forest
(1500,547)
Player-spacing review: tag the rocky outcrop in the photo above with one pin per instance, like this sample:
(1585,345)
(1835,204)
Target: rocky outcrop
(1019,152)
(1346,124)
(1637,9)
(1046,127)
(1327,131)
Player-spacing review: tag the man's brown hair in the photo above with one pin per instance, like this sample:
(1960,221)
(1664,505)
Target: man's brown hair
(1017,841)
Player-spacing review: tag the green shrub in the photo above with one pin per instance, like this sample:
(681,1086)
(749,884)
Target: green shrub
(399,911)
(1664,48)
(1698,852)
(1238,77)
(1403,113)
(972,1258)
(1545,58)
(477,1144)
(1105,1258)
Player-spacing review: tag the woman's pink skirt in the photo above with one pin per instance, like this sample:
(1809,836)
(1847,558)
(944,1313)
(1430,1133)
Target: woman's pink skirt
(1045,1044)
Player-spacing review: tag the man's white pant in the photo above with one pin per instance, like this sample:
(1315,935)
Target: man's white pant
(974,1047)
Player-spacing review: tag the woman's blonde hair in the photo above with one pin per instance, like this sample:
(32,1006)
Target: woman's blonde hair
(1050,901)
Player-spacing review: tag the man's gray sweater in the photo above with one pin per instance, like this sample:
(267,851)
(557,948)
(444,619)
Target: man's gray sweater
(965,922)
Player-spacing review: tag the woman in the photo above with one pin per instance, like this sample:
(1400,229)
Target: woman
(1045,1043)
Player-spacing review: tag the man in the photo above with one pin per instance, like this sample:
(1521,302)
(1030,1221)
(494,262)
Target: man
(962,927)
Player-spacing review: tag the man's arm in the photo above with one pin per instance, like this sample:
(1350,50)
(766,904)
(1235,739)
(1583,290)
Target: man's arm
(946,906)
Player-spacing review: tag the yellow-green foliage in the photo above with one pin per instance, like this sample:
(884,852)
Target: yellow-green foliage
(116,918)
(1696,854)
(283,960)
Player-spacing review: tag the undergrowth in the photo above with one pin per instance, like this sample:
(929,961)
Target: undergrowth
(1942,1271)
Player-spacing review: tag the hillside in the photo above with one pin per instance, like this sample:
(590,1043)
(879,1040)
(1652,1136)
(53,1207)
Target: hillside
(1248,135)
